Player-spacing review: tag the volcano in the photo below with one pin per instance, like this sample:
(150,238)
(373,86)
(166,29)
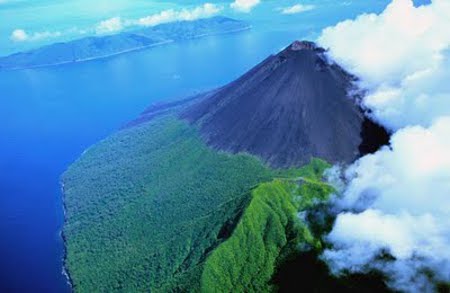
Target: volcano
(293,106)
(204,194)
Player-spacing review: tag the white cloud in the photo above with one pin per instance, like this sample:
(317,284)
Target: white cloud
(20,35)
(404,192)
(398,53)
(397,201)
(45,35)
(244,5)
(203,11)
(297,8)
(116,24)
(109,26)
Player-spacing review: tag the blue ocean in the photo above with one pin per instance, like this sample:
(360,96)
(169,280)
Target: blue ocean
(49,116)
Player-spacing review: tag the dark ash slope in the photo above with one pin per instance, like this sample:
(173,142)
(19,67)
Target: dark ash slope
(291,107)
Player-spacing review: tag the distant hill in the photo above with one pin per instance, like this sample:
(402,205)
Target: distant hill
(91,48)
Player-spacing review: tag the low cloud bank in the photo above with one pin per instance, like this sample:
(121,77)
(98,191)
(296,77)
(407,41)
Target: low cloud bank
(395,207)
(397,203)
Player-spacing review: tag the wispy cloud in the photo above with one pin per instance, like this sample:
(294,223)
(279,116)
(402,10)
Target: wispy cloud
(116,24)
(203,11)
(170,15)
(297,8)
(244,5)
(20,35)
(109,26)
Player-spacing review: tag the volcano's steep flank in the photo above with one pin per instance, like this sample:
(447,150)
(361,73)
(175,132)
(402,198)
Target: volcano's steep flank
(290,108)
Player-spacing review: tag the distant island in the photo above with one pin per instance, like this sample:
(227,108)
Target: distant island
(91,48)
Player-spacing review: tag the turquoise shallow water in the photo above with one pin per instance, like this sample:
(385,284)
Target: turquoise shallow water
(50,115)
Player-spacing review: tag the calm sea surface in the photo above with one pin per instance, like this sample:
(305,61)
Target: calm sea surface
(49,116)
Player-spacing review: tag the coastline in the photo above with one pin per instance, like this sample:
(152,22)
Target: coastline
(64,271)
(90,58)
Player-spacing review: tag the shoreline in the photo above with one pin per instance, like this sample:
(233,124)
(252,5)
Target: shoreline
(64,271)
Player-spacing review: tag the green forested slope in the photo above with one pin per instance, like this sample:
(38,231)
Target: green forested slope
(146,204)
(152,208)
